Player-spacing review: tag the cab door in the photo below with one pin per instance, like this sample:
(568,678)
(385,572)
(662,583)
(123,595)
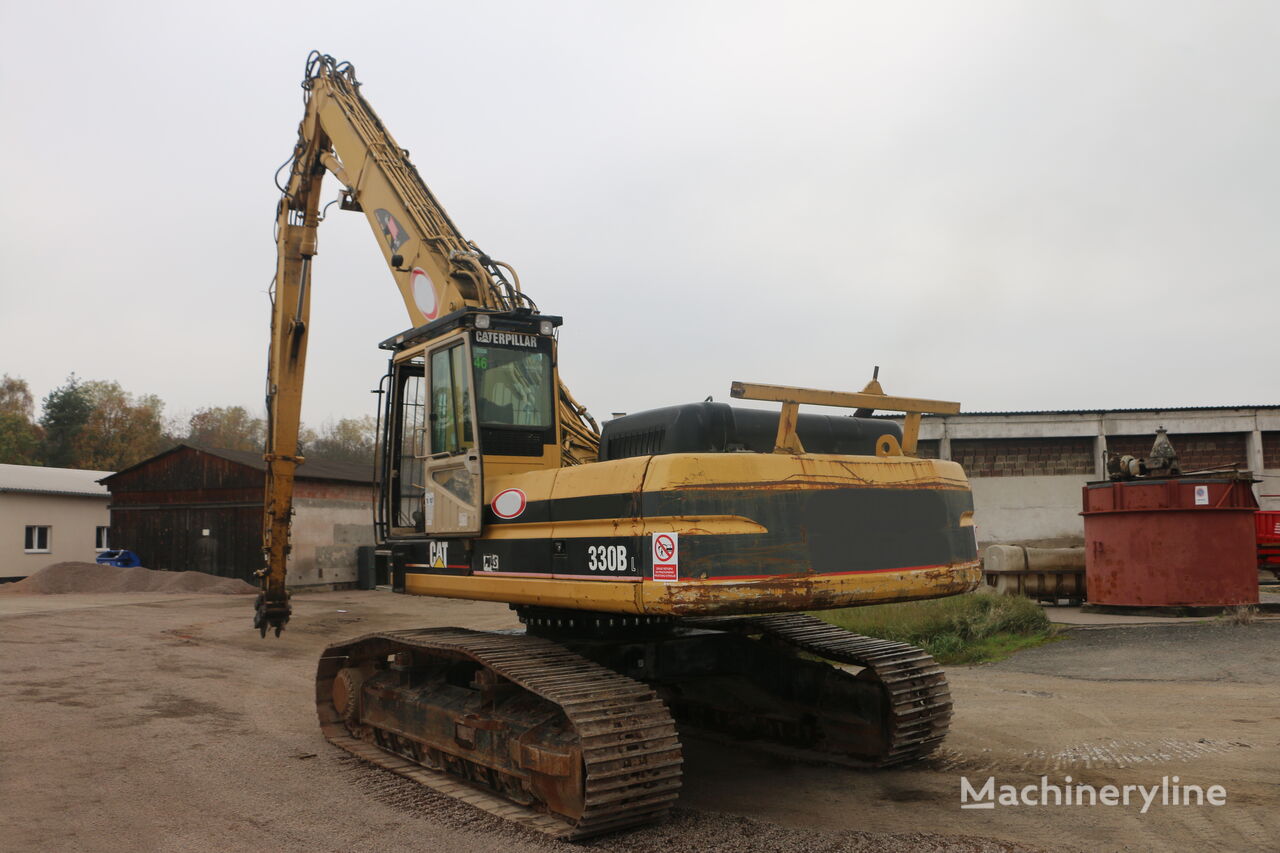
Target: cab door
(451,453)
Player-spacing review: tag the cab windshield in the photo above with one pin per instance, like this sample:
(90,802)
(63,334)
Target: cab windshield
(514,387)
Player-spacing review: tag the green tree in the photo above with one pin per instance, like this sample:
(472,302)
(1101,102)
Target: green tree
(229,428)
(19,440)
(121,429)
(65,411)
(347,440)
(19,435)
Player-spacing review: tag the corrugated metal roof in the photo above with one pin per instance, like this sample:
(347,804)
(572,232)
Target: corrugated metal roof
(36,479)
(312,469)
(1147,410)
(1151,409)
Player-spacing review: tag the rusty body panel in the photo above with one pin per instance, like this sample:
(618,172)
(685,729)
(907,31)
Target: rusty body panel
(758,533)
(709,597)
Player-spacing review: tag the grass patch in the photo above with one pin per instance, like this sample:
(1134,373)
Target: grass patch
(961,629)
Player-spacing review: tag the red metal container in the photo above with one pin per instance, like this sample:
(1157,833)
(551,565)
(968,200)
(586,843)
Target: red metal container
(1176,542)
(1268,525)
(1268,529)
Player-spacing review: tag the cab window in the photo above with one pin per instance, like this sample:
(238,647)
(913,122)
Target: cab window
(411,396)
(514,386)
(450,402)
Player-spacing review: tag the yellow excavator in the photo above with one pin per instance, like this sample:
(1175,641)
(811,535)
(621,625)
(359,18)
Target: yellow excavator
(661,566)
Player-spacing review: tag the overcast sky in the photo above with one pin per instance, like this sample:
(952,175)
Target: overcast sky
(1021,205)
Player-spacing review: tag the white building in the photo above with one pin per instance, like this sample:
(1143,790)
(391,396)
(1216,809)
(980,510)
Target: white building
(1027,468)
(50,515)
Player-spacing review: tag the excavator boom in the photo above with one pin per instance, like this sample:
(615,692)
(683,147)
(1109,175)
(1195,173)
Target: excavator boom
(435,268)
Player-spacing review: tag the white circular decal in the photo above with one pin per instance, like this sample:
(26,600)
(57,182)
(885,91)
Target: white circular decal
(424,293)
(509,503)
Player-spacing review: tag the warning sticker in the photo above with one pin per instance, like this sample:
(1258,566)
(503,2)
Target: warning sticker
(666,556)
(1202,495)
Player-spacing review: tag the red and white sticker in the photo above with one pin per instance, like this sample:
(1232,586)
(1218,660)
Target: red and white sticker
(424,292)
(666,557)
(509,503)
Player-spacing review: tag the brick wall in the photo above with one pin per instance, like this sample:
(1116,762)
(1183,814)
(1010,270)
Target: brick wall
(1270,450)
(928,448)
(1196,451)
(1024,457)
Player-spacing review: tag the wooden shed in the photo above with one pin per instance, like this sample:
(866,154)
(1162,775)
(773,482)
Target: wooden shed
(200,508)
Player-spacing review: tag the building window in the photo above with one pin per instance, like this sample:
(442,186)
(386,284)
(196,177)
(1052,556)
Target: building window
(100,538)
(37,541)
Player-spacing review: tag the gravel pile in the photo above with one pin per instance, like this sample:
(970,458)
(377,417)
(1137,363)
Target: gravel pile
(91,577)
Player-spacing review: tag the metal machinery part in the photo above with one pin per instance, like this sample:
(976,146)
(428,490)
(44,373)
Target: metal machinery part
(571,728)
(516,725)
(1161,461)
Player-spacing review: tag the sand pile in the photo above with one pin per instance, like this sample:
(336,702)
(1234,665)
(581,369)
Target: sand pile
(91,577)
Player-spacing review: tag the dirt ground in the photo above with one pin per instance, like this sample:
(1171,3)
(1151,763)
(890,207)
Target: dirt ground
(151,722)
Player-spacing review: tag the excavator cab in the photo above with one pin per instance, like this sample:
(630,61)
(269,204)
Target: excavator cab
(472,392)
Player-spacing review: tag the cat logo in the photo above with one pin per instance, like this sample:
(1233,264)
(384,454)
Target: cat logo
(439,554)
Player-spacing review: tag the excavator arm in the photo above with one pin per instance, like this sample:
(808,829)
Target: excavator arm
(435,268)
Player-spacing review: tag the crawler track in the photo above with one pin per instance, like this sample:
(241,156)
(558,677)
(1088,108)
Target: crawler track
(619,754)
(630,755)
(919,699)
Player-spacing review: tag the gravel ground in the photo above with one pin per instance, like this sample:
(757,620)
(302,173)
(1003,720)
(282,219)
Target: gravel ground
(1220,651)
(163,723)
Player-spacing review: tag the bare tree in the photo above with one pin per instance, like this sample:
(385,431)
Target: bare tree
(345,440)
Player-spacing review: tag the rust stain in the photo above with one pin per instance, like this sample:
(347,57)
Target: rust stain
(819,482)
(811,592)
